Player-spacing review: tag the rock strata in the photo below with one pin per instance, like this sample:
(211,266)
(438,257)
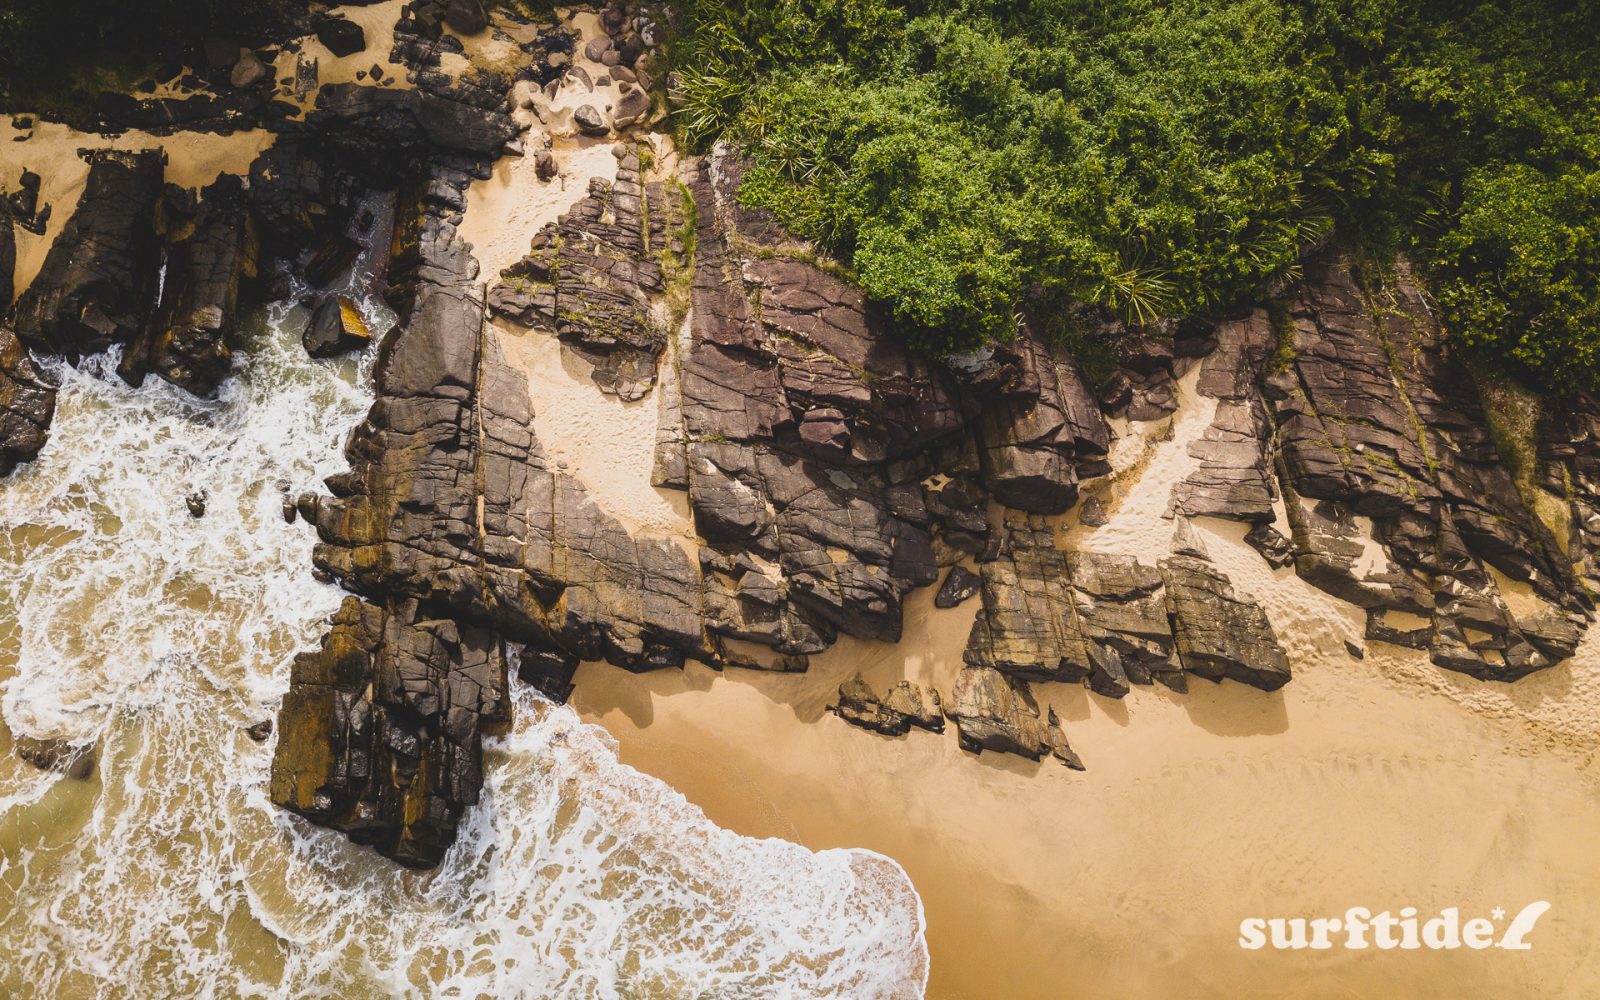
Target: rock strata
(893,715)
(27,404)
(992,712)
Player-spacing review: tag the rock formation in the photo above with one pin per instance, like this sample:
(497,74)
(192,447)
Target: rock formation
(830,471)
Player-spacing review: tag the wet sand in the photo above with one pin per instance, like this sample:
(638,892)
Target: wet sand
(1343,789)
(1382,782)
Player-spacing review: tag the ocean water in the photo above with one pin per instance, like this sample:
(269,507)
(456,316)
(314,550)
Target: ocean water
(157,638)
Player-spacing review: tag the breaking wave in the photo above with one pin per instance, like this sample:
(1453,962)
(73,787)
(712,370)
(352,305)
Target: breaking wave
(158,637)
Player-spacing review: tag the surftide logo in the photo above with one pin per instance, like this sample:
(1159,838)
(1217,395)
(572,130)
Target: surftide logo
(1361,928)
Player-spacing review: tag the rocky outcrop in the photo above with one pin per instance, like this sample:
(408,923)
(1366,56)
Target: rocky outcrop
(1041,429)
(1377,418)
(1111,621)
(894,714)
(380,735)
(594,278)
(802,435)
(451,511)
(1235,479)
(209,251)
(992,712)
(334,328)
(98,282)
(27,404)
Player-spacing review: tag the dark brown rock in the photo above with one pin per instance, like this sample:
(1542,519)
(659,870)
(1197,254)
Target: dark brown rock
(959,584)
(893,715)
(27,404)
(992,712)
(334,328)
(1217,633)
(97,285)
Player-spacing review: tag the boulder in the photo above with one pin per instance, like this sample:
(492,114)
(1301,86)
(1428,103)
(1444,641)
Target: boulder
(591,121)
(631,109)
(249,72)
(341,36)
(335,327)
(959,584)
(466,17)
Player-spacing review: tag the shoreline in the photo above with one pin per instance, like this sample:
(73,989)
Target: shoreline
(1198,812)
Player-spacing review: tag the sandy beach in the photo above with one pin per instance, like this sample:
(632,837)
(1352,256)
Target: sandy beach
(1353,786)
(1381,782)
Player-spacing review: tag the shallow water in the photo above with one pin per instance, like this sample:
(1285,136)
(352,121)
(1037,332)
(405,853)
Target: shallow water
(157,637)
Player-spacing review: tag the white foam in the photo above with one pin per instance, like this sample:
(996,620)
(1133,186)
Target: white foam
(161,636)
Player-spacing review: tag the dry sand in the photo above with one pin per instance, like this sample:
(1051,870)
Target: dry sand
(194,159)
(1380,783)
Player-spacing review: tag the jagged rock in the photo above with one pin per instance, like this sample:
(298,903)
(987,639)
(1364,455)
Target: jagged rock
(992,712)
(1186,541)
(75,760)
(98,281)
(1056,738)
(261,731)
(959,584)
(837,509)
(335,327)
(1269,541)
(1122,611)
(381,731)
(452,518)
(594,275)
(1029,622)
(1107,676)
(209,251)
(1234,479)
(1041,428)
(196,502)
(342,37)
(1378,418)
(1217,633)
(893,715)
(27,404)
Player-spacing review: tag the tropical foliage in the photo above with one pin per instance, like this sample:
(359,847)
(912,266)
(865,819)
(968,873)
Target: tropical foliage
(1168,158)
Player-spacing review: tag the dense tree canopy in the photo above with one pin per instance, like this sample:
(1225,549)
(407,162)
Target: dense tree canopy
(1172,157)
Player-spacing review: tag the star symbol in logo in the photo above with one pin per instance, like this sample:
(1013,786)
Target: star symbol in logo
(1499,913)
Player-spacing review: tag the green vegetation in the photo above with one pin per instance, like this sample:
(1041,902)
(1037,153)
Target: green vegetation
(972,160)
